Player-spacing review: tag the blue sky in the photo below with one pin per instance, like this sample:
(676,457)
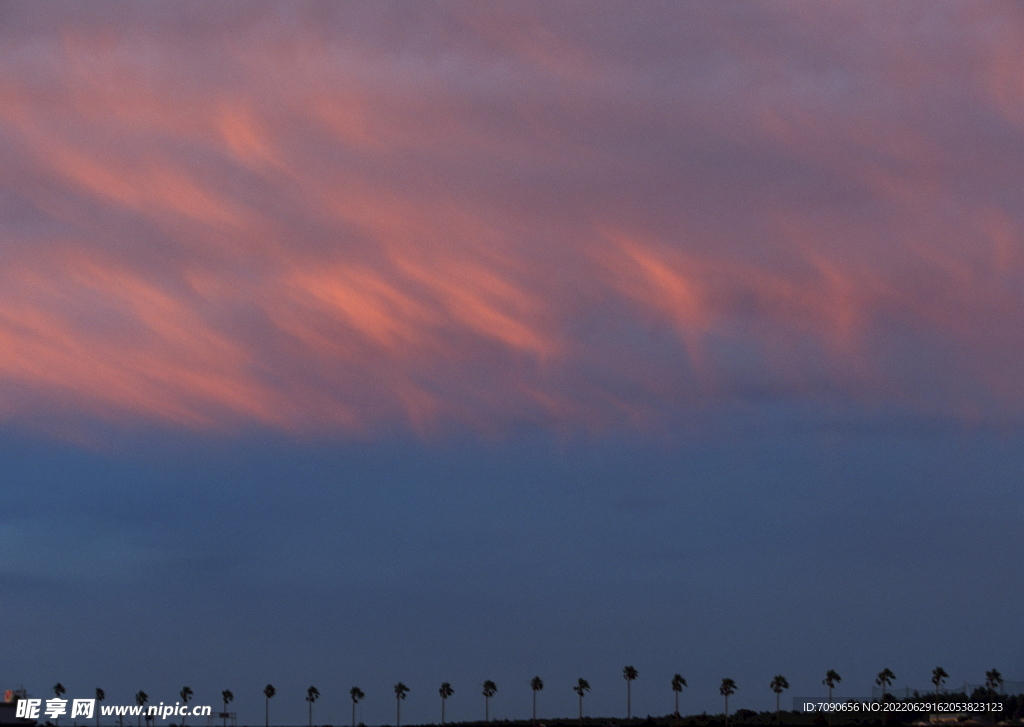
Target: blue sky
(230,564)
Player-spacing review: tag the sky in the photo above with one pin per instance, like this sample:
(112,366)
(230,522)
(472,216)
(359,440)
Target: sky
(349,344)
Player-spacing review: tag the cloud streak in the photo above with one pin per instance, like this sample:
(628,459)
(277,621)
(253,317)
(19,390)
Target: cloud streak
(349,219)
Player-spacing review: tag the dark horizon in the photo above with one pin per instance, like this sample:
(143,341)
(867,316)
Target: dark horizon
(1000,689)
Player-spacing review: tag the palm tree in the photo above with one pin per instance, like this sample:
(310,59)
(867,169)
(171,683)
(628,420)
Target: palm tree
(400,692)
(581,686)
(268,693)
(312,694)
(58,689)
(884,679)
(728,687)
(629,674)
(993,680)
(489,689)
(227,696)
(778,685)
(831,679)
(677,686)
(445,691)
(140,699)
(186,695)
(536,684)
(356,693)
(939,675)
(100,696)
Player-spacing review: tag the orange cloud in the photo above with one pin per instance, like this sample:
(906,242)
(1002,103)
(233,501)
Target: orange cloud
(512,219)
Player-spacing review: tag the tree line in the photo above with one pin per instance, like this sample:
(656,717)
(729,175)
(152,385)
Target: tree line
(728,687)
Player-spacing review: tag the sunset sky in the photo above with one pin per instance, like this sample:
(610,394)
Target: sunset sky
(343,344)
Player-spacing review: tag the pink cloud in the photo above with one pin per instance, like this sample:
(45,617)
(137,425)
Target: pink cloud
(321,219)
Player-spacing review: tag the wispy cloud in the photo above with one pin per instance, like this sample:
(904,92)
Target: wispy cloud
(347,218)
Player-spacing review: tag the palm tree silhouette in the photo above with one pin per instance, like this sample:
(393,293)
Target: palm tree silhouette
(581,686)
(268,694)
(312,694)
(227,696)
(489,689)
(831,679)
(445,691)
(58,689)
(677,686)
(140,699)
(536,684)
(400,691)
(939,675)
(778,685)
(993,680)
(186,695)
(100,696)
(356,693)
(884,679)
(728,687)
(629,674)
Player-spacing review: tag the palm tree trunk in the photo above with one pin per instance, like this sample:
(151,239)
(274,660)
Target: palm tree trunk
(487,709)
(353,713)
(581,710)
(398,712)
(727,709)
(535,706)
(629,700)
(442,711)
(310,713)
(266,710)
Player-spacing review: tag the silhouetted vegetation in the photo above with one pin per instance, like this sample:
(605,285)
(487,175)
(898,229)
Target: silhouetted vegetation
(629,674)
(1014,711)
(268,694)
